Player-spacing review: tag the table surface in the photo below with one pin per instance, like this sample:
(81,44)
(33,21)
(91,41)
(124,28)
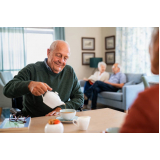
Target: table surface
(100,120)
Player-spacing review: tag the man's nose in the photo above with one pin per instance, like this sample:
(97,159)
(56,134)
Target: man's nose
(61,60)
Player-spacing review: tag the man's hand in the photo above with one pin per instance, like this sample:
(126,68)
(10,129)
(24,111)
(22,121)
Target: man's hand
(38,88)
(55,112)
(85,79)
(107,82)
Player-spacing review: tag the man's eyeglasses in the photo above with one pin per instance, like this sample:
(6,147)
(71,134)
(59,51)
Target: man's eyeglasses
(18,119)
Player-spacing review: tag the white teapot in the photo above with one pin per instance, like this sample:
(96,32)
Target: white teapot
(52,99)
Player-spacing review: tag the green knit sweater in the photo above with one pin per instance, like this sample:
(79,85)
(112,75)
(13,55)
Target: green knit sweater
(65,83)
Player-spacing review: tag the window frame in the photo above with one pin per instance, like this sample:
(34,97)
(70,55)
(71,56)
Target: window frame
(40,30)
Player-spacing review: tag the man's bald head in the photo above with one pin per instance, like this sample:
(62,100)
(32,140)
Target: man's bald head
(56,45)
(116,68)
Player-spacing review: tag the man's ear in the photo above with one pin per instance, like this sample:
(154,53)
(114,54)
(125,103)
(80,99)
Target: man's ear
(48,52)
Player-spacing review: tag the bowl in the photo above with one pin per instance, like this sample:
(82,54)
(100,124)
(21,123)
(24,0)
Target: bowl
(67,114)
(54,128)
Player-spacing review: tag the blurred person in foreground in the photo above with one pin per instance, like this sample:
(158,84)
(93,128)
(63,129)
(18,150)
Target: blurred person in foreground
(143,116)
(100,75)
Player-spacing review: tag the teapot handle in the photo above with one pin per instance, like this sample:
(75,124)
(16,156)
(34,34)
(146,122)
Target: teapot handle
(45,92)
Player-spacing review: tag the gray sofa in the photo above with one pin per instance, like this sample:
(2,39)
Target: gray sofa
(123,98)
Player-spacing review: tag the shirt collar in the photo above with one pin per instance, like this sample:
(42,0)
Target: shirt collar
(117,73)
(45,62)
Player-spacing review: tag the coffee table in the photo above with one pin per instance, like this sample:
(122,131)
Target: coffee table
(100,120)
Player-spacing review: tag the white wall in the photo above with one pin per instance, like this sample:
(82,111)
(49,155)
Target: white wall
(73,36)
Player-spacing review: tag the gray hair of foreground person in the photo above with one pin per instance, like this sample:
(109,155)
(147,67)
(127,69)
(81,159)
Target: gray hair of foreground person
(54,45)
(102,64)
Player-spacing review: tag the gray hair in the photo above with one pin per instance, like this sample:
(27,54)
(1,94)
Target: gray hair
(54,44)
(103,64)
(119,66)
(154,33)
(156,29)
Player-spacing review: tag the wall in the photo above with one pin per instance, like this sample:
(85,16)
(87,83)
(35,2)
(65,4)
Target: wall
(73,36)
(107,31)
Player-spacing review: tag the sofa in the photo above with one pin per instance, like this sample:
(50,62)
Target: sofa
(149,81)
(123,98)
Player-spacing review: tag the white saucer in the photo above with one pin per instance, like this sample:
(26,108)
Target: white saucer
(67,121)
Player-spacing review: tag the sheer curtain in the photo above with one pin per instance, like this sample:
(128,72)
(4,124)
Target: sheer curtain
(12,49)
(132,49)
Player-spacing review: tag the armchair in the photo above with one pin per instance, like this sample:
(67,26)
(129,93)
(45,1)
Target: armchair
(150,80)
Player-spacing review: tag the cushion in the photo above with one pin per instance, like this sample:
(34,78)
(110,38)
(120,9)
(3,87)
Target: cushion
(129,83)
(137,78)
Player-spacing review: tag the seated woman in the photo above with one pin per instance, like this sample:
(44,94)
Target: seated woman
(100,75)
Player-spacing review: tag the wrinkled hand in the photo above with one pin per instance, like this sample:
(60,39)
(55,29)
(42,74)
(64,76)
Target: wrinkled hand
(38,88)
(55,112)
(107,82)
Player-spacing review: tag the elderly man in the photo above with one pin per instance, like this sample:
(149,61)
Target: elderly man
(51,74)
(115,82)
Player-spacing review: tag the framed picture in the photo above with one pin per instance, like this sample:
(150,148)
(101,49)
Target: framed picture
(86,57)
(110,42)
(110,57)
(88,43)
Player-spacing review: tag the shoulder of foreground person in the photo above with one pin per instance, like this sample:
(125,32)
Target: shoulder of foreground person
(151,93)
(143,115)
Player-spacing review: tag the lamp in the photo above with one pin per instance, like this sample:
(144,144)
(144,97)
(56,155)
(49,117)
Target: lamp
(94,62)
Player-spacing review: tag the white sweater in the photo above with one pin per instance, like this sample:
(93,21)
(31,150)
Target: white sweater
(97,77)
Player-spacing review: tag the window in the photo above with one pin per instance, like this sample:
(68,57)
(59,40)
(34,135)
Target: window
(132,51)
(37,41)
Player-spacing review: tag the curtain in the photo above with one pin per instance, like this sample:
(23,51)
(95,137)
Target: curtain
(59,33)
(132,49)
(12,49)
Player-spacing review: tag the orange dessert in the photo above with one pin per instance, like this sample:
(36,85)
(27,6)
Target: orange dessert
(54,121)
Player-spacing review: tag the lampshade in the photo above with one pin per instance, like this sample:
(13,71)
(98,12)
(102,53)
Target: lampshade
(94,62)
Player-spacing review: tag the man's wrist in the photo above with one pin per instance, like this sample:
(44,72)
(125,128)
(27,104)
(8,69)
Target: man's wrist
(57,107)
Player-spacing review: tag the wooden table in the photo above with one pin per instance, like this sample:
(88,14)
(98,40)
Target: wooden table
(100,120)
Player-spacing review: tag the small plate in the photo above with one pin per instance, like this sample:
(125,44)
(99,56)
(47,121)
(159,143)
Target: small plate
(67,121)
